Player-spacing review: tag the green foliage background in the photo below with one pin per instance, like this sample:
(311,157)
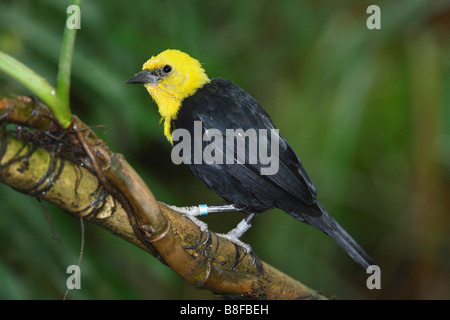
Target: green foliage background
(366,110)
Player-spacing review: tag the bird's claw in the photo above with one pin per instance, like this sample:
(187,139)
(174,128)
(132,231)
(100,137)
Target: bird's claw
(231,237)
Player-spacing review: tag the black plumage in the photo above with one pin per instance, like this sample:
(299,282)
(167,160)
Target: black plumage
(222,105)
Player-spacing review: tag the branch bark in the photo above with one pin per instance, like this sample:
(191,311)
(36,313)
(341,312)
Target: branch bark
(77,172)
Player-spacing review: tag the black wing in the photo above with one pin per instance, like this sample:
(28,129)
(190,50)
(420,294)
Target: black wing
(222,105)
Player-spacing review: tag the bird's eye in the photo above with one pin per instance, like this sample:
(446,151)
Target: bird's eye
(167,68)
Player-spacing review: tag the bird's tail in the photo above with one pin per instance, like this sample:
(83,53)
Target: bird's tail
(330,226)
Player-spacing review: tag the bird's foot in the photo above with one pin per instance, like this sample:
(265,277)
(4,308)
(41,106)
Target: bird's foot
(191,213)
(236,241)
(186,211)
(201,210)
(237,232)
(202,225)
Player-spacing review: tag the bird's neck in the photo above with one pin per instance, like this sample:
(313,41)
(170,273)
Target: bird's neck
(170,101)
(168,107)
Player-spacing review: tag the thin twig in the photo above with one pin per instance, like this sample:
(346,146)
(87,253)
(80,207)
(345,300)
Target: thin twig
(55,236)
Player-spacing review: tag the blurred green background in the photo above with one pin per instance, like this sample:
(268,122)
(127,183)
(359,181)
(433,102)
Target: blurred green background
(367,111)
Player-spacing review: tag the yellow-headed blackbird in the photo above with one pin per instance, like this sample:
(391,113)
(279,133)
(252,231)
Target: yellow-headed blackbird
(213,110)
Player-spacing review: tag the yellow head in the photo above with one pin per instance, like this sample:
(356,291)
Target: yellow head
(170,77)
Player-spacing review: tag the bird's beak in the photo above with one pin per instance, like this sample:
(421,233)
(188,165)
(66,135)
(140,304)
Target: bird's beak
(143,77)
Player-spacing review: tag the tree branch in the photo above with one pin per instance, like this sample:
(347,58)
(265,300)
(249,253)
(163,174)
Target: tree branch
(77,172)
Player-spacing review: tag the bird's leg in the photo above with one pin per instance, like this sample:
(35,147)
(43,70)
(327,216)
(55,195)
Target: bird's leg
(201,210)
(240,229)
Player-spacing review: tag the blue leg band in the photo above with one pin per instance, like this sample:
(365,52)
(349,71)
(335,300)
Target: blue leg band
(203,209)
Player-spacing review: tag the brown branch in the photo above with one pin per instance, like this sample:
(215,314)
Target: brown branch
(76,171)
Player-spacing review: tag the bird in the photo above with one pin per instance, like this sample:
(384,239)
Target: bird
(189,102)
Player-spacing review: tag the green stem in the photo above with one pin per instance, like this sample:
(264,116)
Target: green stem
(32,81)
(64,70)
(57,100)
